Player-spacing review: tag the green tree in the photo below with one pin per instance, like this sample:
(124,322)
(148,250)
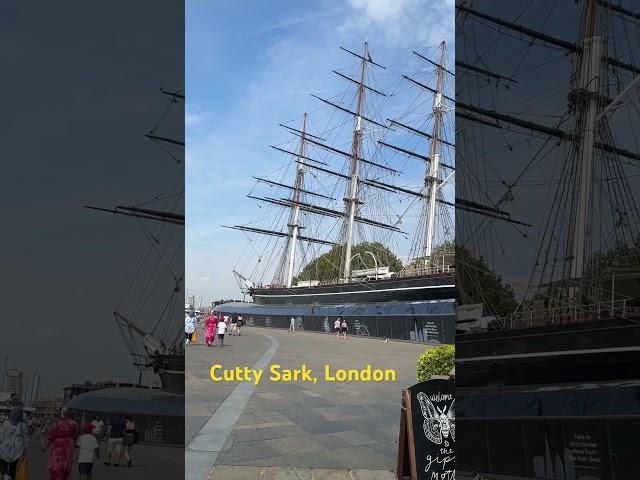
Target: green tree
(326,267)
(477,283)
(445,250)
(620,258)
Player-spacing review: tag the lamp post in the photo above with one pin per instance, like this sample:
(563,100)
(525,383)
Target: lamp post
(4,372)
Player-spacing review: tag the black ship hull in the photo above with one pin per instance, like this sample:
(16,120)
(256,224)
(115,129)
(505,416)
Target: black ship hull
(532,395)
(432,287)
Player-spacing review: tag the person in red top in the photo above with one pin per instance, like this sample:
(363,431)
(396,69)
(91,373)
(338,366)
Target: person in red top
(62,440)
(210,325)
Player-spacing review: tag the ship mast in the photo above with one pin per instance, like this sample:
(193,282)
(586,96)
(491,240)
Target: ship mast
(294,224)
(433,178)
(588,94)
(592,213)
(351,199)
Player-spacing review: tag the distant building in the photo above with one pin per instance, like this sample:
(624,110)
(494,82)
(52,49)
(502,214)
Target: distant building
(80,388)
(47,407)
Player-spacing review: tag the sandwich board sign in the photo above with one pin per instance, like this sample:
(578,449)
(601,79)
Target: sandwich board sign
(427,442)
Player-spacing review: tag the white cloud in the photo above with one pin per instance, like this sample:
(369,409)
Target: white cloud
(403,22)
(290,22)
(193,119)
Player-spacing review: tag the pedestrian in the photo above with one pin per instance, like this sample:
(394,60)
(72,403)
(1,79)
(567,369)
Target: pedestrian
(98,428)
(62,440)
(222,328)
(234,325)
(114,439)
(14,440)
(343,328)
(210,329)
(130,439)
(87,450)
(239,324)
(190,324)
(336,326)
(292,325)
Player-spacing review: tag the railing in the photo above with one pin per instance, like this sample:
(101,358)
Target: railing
(565,314)
(429,268)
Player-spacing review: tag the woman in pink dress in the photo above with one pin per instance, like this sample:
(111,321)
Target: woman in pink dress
(62,440)
(210,329)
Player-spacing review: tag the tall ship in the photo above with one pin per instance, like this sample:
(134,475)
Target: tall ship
(361,212)
(547,382)
(148,313)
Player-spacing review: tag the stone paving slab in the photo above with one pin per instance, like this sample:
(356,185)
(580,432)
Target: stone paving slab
(360,474)
(354,438)
(322,459)
(362,457)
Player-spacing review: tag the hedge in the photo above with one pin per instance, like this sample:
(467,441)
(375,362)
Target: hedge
(436,361)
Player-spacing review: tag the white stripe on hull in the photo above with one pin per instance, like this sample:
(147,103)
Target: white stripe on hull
(358,291)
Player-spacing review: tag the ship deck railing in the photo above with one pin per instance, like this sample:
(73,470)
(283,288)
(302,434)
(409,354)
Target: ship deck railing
(566,314)
(428,270)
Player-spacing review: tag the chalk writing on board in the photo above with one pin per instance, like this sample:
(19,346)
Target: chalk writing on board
(438,424)
(438,411)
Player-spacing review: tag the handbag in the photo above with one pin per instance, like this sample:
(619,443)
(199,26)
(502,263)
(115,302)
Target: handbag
(22,470)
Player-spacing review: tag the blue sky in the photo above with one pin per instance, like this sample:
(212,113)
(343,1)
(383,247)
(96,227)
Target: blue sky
(253,64)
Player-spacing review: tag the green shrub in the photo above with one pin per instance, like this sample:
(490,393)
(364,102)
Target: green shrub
(436,361)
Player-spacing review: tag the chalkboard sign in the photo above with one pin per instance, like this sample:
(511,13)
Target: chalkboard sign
(427,443)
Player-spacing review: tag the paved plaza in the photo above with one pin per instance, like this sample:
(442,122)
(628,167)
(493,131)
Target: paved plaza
(295,430)
(148,462)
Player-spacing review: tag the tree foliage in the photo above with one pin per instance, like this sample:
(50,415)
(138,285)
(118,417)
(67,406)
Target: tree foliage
(621,258)
(445,250)
(477,283)
(326,267)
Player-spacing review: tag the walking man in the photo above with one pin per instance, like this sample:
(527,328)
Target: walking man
(115,436)
(336,326)
(239,324)
(292,325)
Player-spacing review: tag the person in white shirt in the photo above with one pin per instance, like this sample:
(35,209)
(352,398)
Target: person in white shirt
(343,329)
(190,324)
(292,325)
(239,324)
(222,328)
(336,327)
(87,451)
(98,428)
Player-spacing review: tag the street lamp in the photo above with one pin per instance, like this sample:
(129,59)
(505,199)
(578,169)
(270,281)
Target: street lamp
(4,372)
